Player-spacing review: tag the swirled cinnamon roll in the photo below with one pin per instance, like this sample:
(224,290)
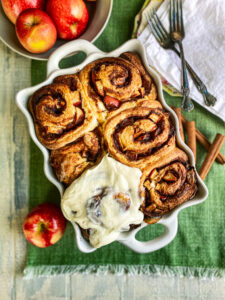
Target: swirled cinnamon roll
(61,113)
(111,82)
(148,87)
(71,80)
(70,161)
(166,184)
(139,136)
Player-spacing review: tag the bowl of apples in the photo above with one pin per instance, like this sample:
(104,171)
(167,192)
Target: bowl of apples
(35,28)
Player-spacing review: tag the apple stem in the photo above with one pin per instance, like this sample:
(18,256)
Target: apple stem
(42,227)
(34,22)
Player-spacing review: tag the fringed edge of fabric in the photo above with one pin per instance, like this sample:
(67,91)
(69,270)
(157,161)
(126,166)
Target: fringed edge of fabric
(190,272)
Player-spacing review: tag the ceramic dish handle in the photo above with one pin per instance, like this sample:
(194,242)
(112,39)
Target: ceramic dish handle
(170,230)
(68,49)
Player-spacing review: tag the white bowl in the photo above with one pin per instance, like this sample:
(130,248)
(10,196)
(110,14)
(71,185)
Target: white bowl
(100,12)
(169,221)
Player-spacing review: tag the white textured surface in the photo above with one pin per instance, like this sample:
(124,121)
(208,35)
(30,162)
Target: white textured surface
(14,141)
(204,45)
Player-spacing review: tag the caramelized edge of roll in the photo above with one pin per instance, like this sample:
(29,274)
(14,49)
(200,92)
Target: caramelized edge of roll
(175,156)
(87,161)
(147,157)
(71,134)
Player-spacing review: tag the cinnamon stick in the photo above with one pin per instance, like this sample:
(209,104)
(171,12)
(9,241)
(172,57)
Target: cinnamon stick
(211,155)
(191,137)
(203,140)
(181,130)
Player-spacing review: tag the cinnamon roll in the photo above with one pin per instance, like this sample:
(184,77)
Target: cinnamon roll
(139,136)
(70,161)
(61,113)
(165,184)
(148,87)
(104,201)
(111,82)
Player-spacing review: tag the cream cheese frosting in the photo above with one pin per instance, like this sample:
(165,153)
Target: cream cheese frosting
(105,200)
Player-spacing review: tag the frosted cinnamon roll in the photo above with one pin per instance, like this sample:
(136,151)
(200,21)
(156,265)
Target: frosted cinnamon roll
(70,161)
(60,112)
(104,201)
(166,184)
(111,82)
(139,136)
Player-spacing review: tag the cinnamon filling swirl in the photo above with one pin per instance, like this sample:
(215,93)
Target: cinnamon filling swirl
(115,79)
(56,111)
(60,112)
(135,135)
(167,187)
(111,82)
(147,83)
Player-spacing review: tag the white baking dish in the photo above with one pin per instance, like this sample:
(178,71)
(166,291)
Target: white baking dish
(169,221)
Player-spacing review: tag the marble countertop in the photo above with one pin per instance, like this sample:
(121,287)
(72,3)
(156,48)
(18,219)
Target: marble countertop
(14,172)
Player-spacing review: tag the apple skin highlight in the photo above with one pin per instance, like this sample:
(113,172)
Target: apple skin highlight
(35,30)
(44,225)
(70,17)
(13,8)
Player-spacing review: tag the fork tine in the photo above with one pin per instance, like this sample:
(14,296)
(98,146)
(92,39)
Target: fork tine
(179,23)
(176,8)
(153,28)
(160,32)
(160,25)
(181,16)
(171,17)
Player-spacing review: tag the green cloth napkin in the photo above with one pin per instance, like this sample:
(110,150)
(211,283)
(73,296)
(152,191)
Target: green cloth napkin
(199,247)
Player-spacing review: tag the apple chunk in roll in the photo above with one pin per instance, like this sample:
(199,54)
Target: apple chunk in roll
(110,83)
(104,201)
(166,184)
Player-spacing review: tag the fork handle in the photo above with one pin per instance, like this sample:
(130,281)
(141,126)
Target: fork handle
(209,99)
(186,103)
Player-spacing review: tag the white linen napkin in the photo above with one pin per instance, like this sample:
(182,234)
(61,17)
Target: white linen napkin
(204,47)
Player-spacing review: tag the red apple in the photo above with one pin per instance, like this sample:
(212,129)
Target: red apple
(69,16)
(35,30)
(44,225)
(13,8)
